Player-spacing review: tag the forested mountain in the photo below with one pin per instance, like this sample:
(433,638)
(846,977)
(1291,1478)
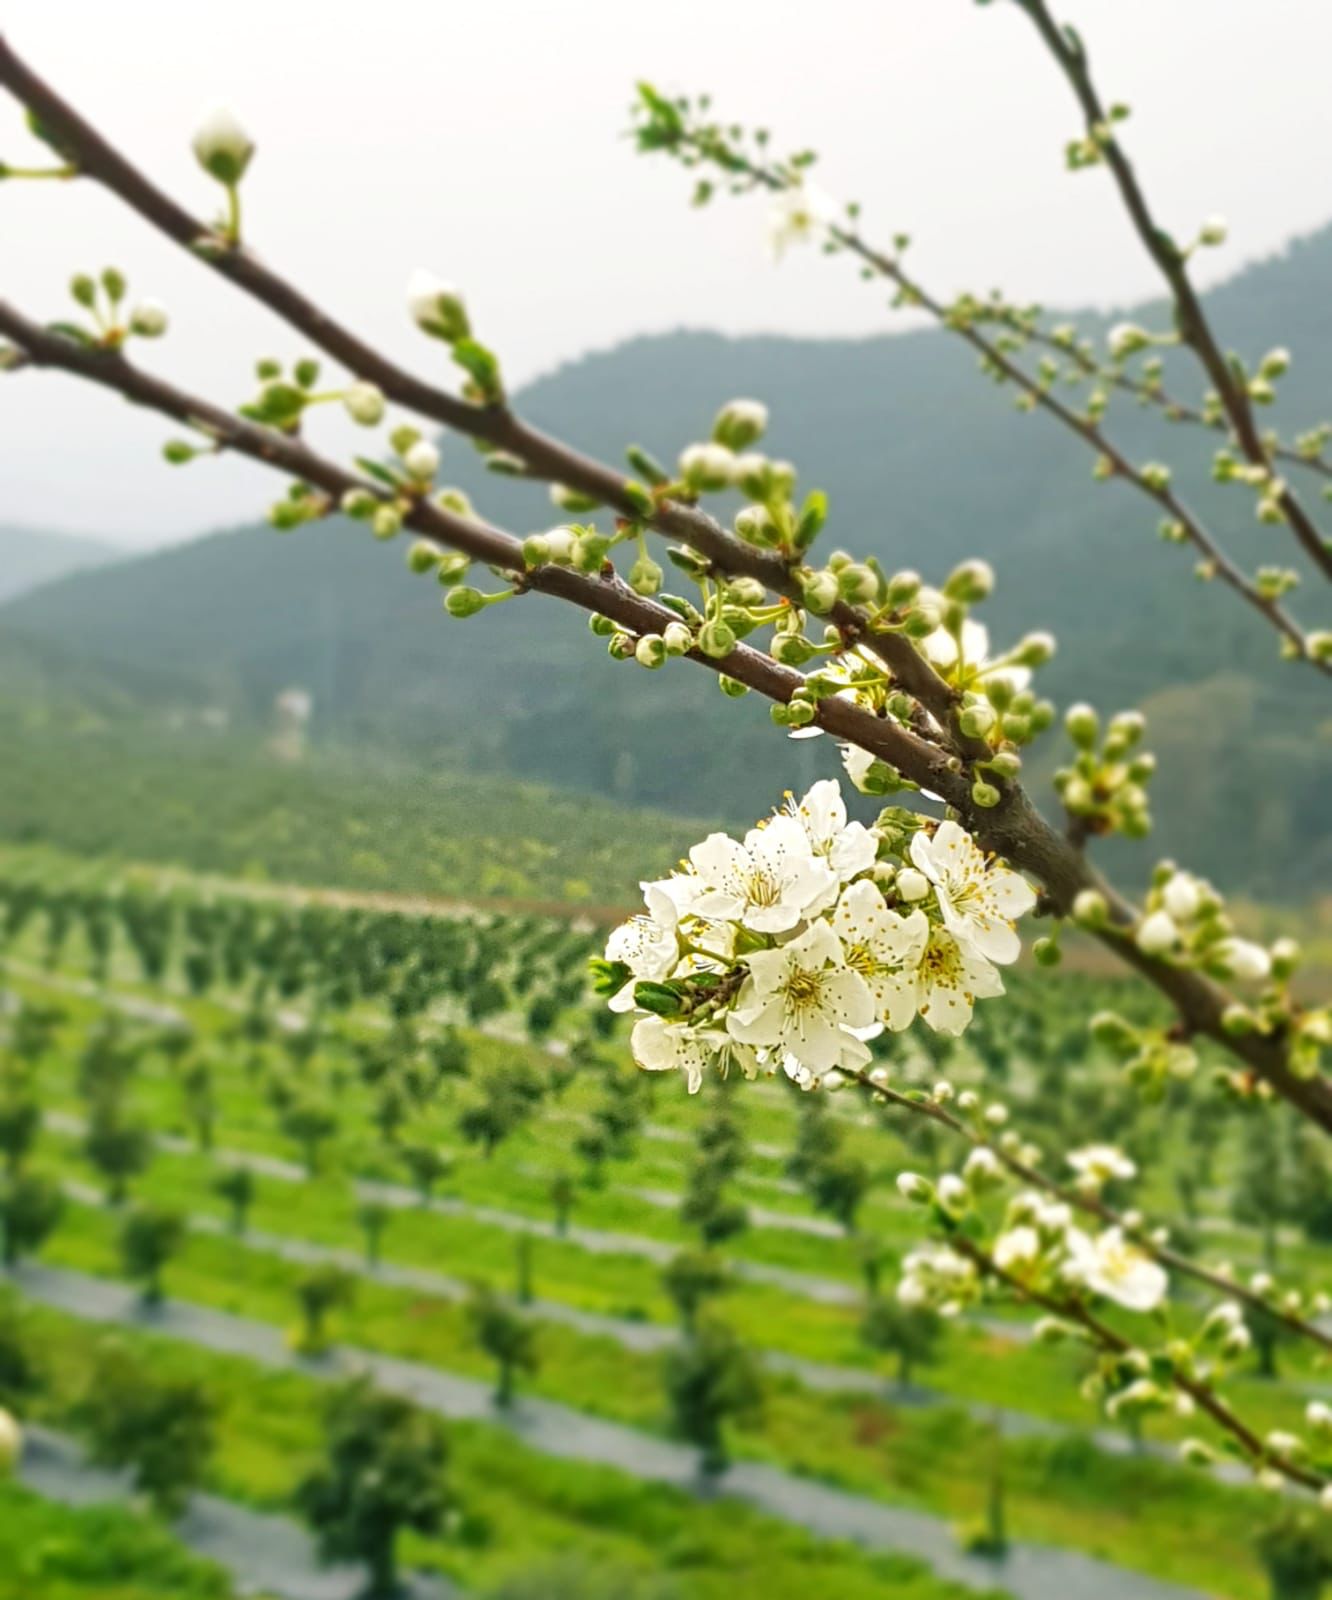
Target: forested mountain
(925,461)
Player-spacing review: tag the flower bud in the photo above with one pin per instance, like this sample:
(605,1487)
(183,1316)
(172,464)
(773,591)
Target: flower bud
(645,576)
(970,582)
(706,467)
(678,638)
(422,461)
(437,307)
(464,602)
(359,503)
(364,403)
(740,423)
(178,451)
(858,584)
(149,319)
(1090,909)
(422,556)
(1082,725)
(1034,650)
(1182,898)
(1242,959)
(984,794)
(1213,231)
(386,522)
(589,550)
(903,587)
(84,290)
(912,1186)
(912,885)
(1046,952)
(452,568)
(1126,339)
(650,651)
(716,639)
(952,1193)
(536,550)
(223,148)
(820,592)
(755,526)
(1157,934)
(978,719)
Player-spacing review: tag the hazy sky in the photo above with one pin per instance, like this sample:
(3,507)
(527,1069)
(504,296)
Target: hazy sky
(484,140)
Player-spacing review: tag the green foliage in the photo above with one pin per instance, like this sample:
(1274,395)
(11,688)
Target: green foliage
(383,1474)
(711,1379)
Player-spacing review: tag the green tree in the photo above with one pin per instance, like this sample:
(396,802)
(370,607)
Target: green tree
(427,1167)
(323,1289)
(21,1373)
(711,1379)
(149,1238)
(119,1148)
(1296,1552)
(837,1186)
(311,1125)
(692,1278)
(563,1194)
(31,1206)
(236,1187)
(20,1123)
(911,1333)
(373,1217)
(506,1336)
(383,1473)
(163,1430)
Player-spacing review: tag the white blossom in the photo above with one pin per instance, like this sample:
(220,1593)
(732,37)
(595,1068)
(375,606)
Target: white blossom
(648,945)
(802,215)
(1101,1162)
(938,1277)
(768,883)
(849,848)
(1017,1248)
(980,899)
(1157,934)
(965,658)
(1182,897)
(1242,959)
(1113,1266)
(661,1046)
(801,999)
(422,460)
(885,948)
(948,981)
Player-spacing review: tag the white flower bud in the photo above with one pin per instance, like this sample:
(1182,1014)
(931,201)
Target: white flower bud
(364,403)
(677,638)
(1090,909)
(1157,934)
(1126,339)
(1242,959)
(1035,649)
(970,582)
(149,319)
(1213,231)
(437,307)
(422,461)
(222,147)
(706,467)
(953,1193)
(1082,725)
(912,885)
(912,1186)
(1182,897)
(650,651)
(740,423)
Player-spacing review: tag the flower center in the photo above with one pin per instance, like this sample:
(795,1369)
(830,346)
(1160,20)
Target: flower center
(803,989)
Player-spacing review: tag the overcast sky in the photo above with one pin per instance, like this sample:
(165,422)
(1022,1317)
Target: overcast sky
(484,140)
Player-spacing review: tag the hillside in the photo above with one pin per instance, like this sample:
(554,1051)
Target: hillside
(29,558)
(926,464)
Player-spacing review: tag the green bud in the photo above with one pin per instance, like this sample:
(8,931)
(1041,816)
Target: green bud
(978,719)
(706,467)
(456,501)
(360,504)
(732,688)
(791,649)
(178,452)
(903,587)
(1034,650)
(1114,1033)
(1006,763)
(820,592)
(716,639)
(386,522)
(452,569)
(464,602)
(589,551)
(984,794)
(1090,909)
(603,627)
(306,372)
(645,576)
(422,556)
(755,526)
(740,423)
(572,500)
(678,638)
(745,592)
(971,582)
(1082,725)
(650,651)
(536,550)
(1047,953)
(113,281)
(84,290)
(858,583)
(621,646)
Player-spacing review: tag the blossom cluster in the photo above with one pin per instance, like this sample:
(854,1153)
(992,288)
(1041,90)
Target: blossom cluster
(790,949)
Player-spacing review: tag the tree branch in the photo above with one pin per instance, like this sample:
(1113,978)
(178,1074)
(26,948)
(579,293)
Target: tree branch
(1191,320)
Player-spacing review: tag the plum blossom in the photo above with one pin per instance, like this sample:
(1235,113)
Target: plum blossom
(660,1046)
(1115,1267)
(1099,1163)
(964,659)
(980,900)
(884,947)
(801,999)
(769,883)
(848,848)
(948,980)
(1017,1249)
(802,214)
(648,945)
(938,1277)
